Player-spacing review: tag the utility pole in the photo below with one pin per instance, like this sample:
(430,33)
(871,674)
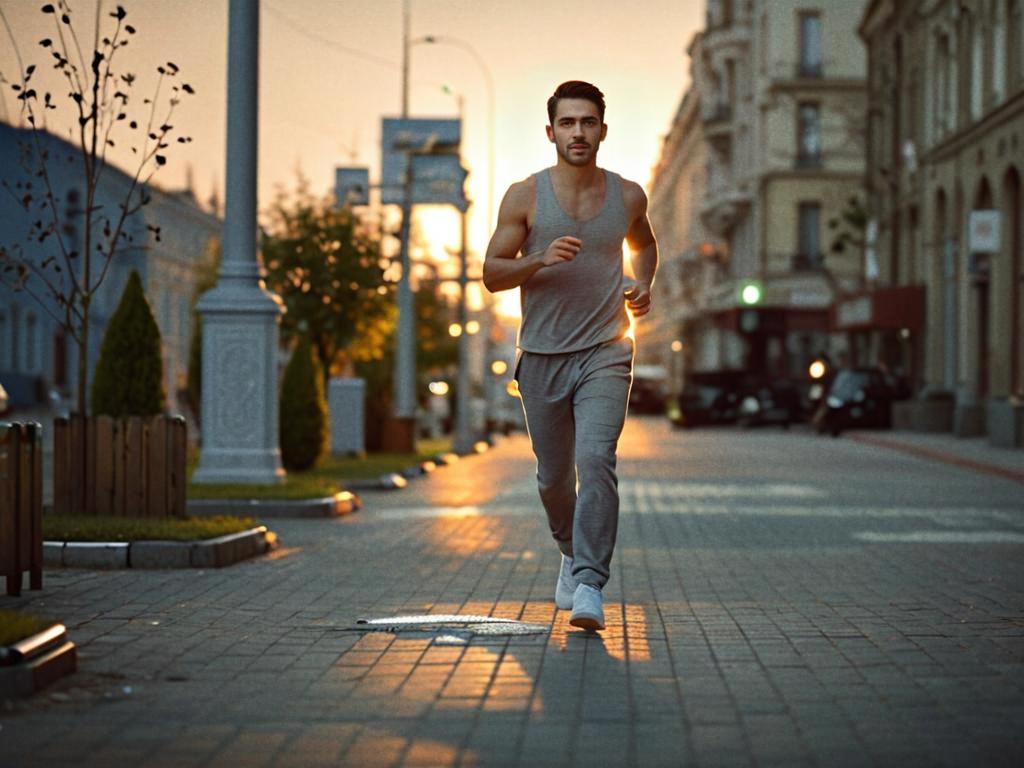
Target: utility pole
(401,435)
(463,414)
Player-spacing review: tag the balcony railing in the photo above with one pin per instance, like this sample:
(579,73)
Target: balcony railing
(808,160)
(807,262)
(810,69)
(718,113)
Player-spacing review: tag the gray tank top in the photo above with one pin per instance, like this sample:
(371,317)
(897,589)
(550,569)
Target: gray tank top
(578,304)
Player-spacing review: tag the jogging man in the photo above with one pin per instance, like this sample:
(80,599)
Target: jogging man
(559,239)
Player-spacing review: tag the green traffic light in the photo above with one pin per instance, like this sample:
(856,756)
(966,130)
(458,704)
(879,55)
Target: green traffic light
(751,294)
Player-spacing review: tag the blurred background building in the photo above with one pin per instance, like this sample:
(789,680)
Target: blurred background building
(945,150)
(766,148)
(845,178)
(36,357)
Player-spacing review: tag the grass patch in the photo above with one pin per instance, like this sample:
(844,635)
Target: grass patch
(77,528)
(15,626)
(325,479)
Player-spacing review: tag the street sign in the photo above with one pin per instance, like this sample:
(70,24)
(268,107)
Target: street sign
(984,231)
(423,137)
(438,179)
(352,186)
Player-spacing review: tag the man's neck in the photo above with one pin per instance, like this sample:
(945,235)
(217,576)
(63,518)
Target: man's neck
(578,176)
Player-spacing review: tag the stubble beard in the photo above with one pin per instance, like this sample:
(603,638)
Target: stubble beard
(577,160)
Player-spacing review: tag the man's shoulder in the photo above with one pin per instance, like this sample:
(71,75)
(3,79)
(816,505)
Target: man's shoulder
(522,192)
(633,194)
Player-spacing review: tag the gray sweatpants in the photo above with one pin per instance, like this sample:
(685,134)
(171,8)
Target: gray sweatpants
(575,406)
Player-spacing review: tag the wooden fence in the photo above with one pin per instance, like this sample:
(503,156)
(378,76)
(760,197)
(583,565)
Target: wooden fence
(132,467)
(21,504)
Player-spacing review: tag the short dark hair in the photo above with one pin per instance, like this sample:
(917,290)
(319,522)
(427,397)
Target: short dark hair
(576,89)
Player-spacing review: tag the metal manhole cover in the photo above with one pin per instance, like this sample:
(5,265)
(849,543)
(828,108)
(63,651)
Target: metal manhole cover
(451,629)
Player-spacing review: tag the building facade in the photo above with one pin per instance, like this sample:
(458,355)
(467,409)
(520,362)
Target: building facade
(36,355)
(946,154)
(779,89)
(691,257)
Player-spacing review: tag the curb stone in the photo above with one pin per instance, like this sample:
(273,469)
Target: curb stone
(33,663)
(208,553)
(341,503)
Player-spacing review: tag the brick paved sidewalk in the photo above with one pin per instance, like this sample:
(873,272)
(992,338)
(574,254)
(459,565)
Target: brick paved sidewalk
(974,453)
(757,615)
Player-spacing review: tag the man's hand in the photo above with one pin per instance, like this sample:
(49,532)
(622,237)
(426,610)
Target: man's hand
(561,249)
(638,297)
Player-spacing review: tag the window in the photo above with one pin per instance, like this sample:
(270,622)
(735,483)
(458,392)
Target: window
(15,359)
(942,104)
(809,236)
(809,136)
(5,342)
(977,81)
(1015,41)
(31,342)
(1000,54)
(810,45)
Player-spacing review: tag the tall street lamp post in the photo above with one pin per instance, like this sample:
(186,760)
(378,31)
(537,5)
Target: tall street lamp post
(240,316)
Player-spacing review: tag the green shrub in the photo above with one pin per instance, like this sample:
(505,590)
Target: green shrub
(129,374)
(303,412)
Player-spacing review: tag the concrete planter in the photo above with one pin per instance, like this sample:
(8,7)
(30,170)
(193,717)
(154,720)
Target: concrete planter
(33,663)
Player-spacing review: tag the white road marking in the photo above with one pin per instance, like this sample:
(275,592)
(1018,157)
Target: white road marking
(942,537)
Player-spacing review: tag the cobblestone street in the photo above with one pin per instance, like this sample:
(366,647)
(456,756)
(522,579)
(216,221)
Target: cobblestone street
(777,598)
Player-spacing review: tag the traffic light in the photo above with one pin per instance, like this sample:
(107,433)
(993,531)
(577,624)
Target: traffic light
(751,293)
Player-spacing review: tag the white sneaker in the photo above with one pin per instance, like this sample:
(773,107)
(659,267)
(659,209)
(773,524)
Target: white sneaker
(587,608)
(566,585)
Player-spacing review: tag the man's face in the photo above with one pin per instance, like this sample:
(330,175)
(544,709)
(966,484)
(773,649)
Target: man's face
(577,131)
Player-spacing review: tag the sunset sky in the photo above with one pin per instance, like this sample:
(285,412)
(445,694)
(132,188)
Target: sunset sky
(330,69)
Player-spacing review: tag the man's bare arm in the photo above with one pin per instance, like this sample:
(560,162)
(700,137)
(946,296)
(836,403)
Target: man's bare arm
(503,267)
(643,249)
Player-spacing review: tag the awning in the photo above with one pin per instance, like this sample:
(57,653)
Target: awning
(773,321)
(883,309)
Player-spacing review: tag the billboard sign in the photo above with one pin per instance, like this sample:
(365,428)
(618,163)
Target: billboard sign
(424,139)
(352,186)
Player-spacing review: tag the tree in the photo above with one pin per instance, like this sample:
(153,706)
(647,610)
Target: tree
(65,278)
(849,227)
(303,412)
(129,374)
(436,351)
(329,271)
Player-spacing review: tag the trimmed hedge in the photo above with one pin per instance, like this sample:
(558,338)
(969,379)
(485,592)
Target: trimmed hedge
(129,374)
(303,413)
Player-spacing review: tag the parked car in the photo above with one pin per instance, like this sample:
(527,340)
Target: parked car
(649,393)
(705,405)
(775,401)
(858,398)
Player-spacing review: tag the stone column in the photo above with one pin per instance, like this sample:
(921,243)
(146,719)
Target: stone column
(240,316)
